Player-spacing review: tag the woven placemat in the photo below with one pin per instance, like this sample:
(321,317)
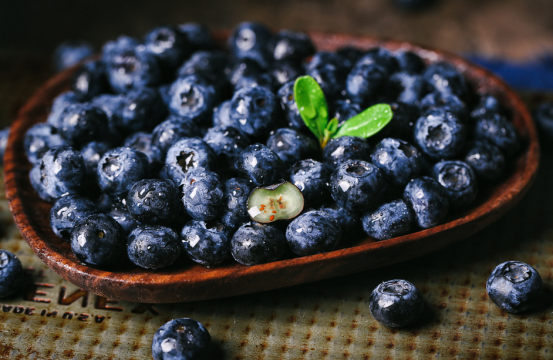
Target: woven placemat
(52,319)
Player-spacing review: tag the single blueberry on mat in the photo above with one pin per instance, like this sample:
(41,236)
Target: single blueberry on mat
(440,134)
(486,160)
(255,110)
(39,139)
(345,148)
(514,286)
(357,185)
(153,247)
(11,273)
(428,201)
(120,168)
(206,242)
(98,240)
(313,233)
(260,165)
(312,178)
(185,155)
(65,213)
(181,339)
(397,159)
(498,131)
(292,146)
(396,303)
(254,243)
(388,221)
(153,201)
(458,180)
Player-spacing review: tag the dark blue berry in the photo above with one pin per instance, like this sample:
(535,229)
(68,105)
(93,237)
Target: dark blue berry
(357,185)
(118,210)
(254,243)
(487,104)
(410,62)
(403,122)
(92,153)
(60,172)
(446,101)
(153,247)
(486,160)
(284,71)
(113,106)
(221,115)
(292,146)
(209,64)
(82,123)
(396,303)
(345,110)
(329,72)
(498,131)
(120,168)
(440,134)
(251,40)
(11,273)
(171,130)
(243,68)
(115,47)
(187,154)
(313,233)
(169,46)
(193,98)
(428,201)
(255,110)
(39,139)
(350,56)
(98,240)
(459,181)
(407,88)
(236,194)
(345,148)
(180,339)
(65,213)
(289,106)
(398,160)
(312,178)
(388,221)
(61,102)
(365,82)
(515,286)
(154,202)
(207,243)
(131,67)
(381,57)
(69,53)
(260,165)
(445,78)
(291,46)
(142,142)
(90,80)
(227,143)
(142,110)
(202,194)
(346,219)
(198,36)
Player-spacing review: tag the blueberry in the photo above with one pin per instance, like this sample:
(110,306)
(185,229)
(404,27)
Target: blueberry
(11,273)
(388,221)
(98,240)
(459,181)
(365,82)
(60,172)
(292,146)
(313,233)
(514,286)
(153,247)
(445,78)
(39,139)
(207,243)
(92,153)
(345,148)
(428,201)
(407,88)
(82,123)
(357,185)
(202,195)
(254,243)
(251,40)
(209,64)
(284,71)
(154,202)
(289,106)
(403,122)
(114,48)
(396,303)
(312,178)
(381,57)
(4,134)
(171,130)
(65,213)
(193,98)
(61,101)
(329,72)
(397,159)
(113,106)
(350,56)
(409,62)
(182,339)
(440,134)
(347,220)
(291,46)
(446,101)
(498,131)
(243,68)
(486,159)
(69,53)
(143,109)
(255,110)
(221,115)
(198,36)
(226,142)
(235,198)
(131,67)
(187,154)
(142,142)
(118,210)
(487,104)
(260,165)
(345,110)
(169,46)
(90,80)
(120,168)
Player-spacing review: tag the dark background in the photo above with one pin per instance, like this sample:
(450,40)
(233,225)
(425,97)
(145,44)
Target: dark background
(515,29)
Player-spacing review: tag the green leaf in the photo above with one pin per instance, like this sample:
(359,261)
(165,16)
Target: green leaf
(367,123)
(311,105)
(332,126)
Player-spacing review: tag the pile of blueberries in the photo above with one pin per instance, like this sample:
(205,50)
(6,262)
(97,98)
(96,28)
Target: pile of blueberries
(157,147)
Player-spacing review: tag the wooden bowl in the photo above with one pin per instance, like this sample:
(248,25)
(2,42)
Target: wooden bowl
(189,282)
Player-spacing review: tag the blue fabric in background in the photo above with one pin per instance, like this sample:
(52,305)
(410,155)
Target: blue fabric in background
(536,75)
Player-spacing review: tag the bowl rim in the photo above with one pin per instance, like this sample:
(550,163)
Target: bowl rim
(169,286)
